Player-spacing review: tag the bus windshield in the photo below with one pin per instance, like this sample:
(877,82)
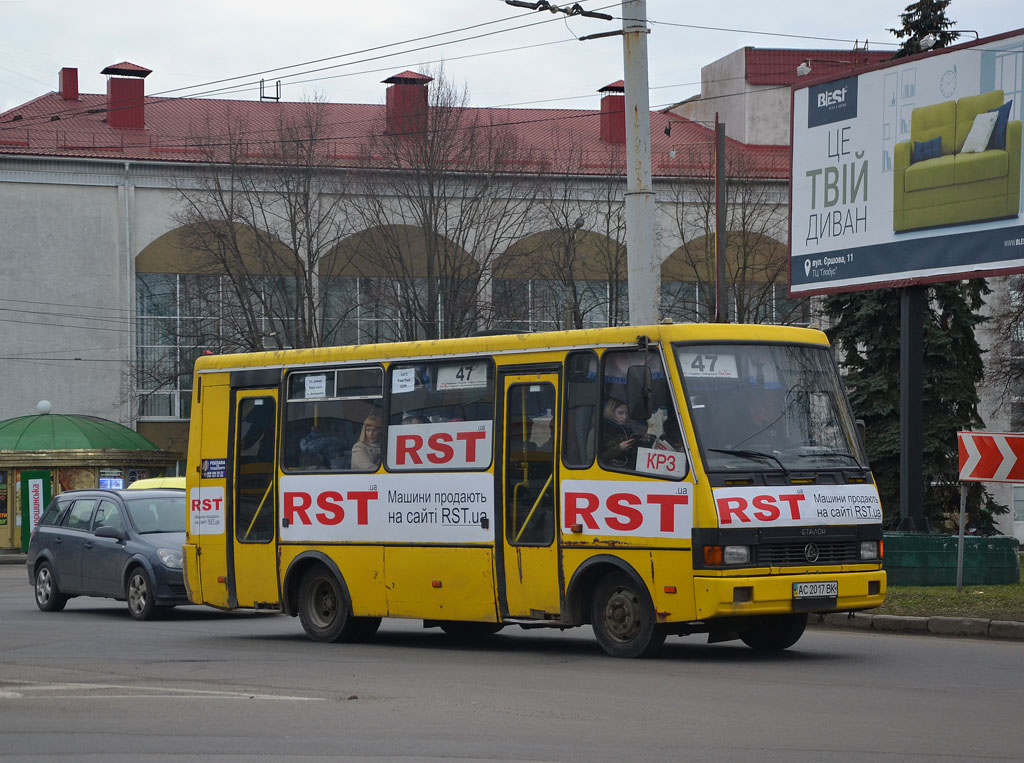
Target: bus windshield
(766,407)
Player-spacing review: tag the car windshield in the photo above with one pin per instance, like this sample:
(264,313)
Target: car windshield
(762,407)
(157,514)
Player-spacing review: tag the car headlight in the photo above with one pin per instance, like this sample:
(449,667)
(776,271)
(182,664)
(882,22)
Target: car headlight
(170,557)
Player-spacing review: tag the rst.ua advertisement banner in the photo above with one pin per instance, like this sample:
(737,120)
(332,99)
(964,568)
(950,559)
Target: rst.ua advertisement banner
(911,172)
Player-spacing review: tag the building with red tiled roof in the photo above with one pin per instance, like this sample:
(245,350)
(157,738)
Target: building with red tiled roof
(67,123)
(97,189)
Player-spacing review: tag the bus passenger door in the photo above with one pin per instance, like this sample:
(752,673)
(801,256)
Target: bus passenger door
(253,501)
(529,576)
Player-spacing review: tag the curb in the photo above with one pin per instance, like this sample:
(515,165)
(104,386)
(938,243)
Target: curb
(13,558)
(935,626)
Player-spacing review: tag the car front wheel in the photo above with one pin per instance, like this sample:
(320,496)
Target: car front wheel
(48,595)
(140,595)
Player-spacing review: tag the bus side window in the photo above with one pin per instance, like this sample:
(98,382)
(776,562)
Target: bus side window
(326,413)
(580,417)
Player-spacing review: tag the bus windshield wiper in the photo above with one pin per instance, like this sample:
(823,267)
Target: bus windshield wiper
(830,453)
(752,454)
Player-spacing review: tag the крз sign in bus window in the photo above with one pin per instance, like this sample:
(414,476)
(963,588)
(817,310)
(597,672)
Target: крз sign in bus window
(632,440)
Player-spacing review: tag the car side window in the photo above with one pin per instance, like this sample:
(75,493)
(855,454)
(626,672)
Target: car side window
(53,513)
(108,515)
(81,512)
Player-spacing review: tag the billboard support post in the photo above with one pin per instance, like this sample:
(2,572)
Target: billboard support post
(912,299)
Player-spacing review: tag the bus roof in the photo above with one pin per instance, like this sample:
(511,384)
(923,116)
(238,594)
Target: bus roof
(511,343)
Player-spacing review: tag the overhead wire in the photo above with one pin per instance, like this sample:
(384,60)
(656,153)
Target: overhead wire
(161,95)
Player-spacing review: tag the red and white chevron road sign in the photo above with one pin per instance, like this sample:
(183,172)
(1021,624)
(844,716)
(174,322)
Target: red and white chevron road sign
(991,456)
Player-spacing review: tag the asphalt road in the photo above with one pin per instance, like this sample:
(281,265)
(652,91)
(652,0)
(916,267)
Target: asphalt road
(90,682)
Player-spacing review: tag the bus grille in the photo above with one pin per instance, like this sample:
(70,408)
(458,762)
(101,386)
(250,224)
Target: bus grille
(795,554)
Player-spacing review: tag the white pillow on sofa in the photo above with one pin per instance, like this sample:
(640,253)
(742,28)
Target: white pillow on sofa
(981,131)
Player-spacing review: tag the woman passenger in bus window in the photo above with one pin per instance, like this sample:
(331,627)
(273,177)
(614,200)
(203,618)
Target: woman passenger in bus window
(618,440)
(366,452)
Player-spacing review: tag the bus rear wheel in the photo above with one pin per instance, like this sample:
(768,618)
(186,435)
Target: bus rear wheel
(773,633)
(326,612)
(623,618)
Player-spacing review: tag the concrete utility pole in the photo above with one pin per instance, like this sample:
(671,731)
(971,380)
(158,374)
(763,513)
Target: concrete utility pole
(721,242)
(643,272)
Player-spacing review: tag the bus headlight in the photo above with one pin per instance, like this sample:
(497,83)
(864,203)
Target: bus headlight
(736,555)
(869,549)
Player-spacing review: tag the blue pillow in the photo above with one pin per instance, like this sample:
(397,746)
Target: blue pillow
(998,139)
(928,149)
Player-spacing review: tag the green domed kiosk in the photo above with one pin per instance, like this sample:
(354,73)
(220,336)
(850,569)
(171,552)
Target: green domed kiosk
(48,453)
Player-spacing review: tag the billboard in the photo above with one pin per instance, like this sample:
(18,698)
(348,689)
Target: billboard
(910,172)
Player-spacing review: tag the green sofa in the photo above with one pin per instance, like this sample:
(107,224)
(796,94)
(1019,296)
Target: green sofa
(955,188)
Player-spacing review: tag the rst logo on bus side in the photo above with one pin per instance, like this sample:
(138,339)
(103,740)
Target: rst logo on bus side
(794,506)
(450,445)
(644,509)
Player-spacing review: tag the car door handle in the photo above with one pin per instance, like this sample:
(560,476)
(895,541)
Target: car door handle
(88,544)
(58,540)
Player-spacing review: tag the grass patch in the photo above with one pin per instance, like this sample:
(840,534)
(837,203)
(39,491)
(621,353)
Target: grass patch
(988,602)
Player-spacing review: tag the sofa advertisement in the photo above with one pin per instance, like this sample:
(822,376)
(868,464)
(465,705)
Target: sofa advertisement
(910,173)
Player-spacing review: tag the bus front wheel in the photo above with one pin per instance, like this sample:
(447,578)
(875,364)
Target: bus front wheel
(623,618)
(773,633)
(326,612)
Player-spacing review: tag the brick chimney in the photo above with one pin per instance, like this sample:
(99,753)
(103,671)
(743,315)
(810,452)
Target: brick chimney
(67,83)
(406,103)
(126,95)
(613,113)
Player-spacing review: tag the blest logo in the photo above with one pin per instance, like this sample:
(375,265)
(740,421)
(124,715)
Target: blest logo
(832,102)
(831,97)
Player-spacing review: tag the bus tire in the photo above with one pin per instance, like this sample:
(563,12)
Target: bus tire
(324,608)
(623,618)
(463,631)
(773,633)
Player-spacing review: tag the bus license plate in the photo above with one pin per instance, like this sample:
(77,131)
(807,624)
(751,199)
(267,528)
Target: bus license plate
(828,589)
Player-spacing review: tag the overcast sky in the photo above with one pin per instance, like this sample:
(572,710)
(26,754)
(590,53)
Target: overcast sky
(187,43)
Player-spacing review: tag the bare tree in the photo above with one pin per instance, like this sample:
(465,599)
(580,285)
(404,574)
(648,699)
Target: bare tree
(1005,373)
(260,223)
(756,261)
(572,272)
(265,218)
(439,202)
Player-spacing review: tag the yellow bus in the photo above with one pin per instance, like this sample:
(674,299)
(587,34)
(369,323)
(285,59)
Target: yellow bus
(647,481)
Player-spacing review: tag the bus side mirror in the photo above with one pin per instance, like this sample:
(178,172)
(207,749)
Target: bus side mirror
(862,432)
(639,386)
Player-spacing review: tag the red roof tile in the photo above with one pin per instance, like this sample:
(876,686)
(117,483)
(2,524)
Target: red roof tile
(777,66)
(195,129)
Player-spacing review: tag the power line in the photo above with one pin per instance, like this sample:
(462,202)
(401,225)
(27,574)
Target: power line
(236,88)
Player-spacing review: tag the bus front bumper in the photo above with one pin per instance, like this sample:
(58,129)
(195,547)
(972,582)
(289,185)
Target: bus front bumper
(781,594)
